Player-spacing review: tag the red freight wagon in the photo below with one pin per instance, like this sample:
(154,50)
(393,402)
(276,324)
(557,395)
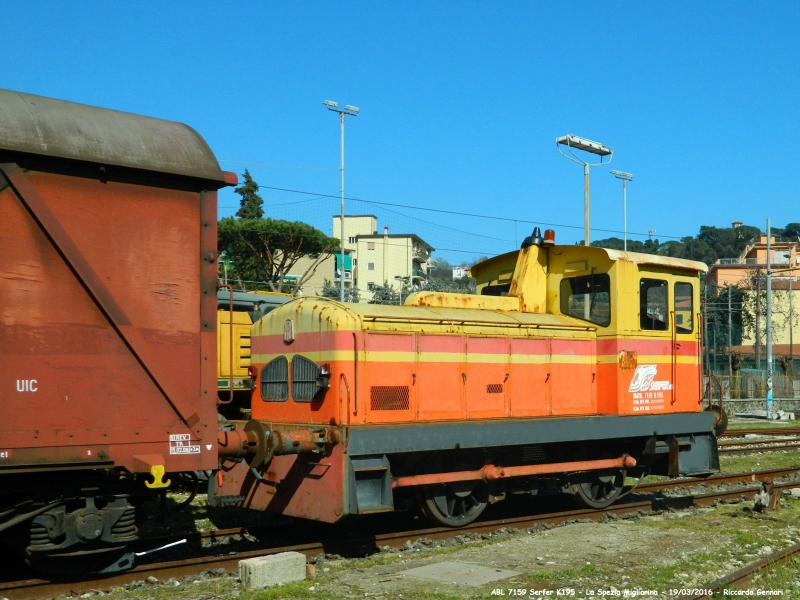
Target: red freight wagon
(107,321)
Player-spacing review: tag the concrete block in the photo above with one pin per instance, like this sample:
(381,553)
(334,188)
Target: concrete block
(264,571)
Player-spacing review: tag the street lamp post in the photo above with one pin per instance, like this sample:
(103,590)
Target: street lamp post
(625,177)
(573,142)
(349,111)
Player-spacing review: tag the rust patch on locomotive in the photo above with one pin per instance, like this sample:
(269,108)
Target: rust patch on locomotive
(627,360)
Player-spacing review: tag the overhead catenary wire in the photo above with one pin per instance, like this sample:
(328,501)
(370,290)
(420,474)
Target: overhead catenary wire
(277,166)
(459,213)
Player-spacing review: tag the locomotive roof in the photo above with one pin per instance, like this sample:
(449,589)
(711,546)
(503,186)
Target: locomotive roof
(41,126)
(435,315)
(639,258)
(657,260)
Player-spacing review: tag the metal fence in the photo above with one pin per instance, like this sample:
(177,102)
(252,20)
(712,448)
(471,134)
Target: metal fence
(753,386)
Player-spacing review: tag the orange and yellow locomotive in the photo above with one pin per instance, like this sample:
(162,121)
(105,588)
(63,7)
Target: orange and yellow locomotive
(571,369)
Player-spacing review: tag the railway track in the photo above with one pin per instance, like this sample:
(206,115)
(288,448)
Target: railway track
(751,442)
(744,576)
(365,544)
(761,431)
(754,447)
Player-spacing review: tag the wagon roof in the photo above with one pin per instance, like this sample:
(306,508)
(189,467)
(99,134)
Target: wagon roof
(42,126)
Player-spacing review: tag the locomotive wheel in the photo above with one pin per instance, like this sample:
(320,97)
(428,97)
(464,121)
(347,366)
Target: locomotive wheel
(453,505)
(600,490)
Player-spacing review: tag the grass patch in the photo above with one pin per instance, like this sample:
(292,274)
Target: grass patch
(757,462)
(764,425)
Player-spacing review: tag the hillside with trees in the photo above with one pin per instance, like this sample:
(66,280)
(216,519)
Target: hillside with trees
(709,245)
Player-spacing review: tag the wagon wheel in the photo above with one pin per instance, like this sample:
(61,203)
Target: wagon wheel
(75,564)
(600,490)
(453,504)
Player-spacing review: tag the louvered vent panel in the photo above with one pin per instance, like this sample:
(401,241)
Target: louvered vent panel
(275,380)
(304,378)
(389,397)
(494,388)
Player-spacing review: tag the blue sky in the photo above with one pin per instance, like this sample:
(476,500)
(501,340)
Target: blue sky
(460,102)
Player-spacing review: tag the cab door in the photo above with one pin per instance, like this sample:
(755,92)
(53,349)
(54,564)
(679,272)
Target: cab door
(686,348)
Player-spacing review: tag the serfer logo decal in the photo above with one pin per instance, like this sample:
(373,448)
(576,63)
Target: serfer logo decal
(643,380)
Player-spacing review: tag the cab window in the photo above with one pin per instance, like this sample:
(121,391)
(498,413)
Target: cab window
(588,298)
(496,290)
(684,311)
(653,311)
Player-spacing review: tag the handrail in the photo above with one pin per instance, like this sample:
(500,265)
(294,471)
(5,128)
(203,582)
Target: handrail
(714,378)
(674,357)
(355,374)
(343,379)
(701,366)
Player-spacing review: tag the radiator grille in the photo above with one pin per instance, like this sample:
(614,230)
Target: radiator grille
(304,379)
(389,397)
(532,454)
(494,388)
(275,380)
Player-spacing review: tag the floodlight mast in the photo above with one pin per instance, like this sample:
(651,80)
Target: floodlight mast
(579,143)
(350,111)
(625,177)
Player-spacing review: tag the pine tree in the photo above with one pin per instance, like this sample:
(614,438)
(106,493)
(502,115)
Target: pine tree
(330,290)
(251,203)
(384,294)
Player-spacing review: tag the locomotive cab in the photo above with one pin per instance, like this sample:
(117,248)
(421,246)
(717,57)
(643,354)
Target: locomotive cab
(569,369)
(645,310)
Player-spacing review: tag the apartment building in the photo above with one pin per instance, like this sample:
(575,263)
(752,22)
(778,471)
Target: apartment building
(399,259)
(737,271)
(747,271)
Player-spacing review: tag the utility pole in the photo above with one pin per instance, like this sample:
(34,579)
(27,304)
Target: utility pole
(791,324)
(758,320)
(714,338)
(769,324)
(730,336)
(705,324)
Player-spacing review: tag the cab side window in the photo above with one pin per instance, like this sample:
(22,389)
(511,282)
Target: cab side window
(587,298)
(653,306)
(684,311)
